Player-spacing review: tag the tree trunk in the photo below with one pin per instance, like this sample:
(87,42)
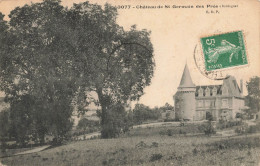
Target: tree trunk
(104,105)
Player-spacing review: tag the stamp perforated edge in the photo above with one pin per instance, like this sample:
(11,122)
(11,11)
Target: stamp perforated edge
(227,68)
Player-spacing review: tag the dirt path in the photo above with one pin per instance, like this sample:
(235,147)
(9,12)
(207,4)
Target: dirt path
(38,149)
(158,124)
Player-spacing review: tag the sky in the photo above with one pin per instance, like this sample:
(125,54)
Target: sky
(176,32)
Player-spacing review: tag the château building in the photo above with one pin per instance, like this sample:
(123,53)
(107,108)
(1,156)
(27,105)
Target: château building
(202,102)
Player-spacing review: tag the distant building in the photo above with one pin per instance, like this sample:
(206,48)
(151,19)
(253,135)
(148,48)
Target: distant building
(202,102)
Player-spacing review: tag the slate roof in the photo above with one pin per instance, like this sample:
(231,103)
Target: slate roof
(230,83)
(186,80)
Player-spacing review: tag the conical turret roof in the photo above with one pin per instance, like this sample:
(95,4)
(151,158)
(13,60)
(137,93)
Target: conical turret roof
(186,80)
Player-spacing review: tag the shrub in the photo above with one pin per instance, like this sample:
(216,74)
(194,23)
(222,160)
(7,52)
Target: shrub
(241,129)
(248,129)
(207,128)
(161,132)
(182,132)
(252,129)
(154,144)
(195,151)
(141,145)
(236,143)
(169,132)
(155,157)
(227,124)
(169,120)
(3,146)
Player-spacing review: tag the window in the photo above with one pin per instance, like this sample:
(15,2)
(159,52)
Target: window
(207,103)
(207,91)
(213,103)
(200,103)
(224,103)
(201,115)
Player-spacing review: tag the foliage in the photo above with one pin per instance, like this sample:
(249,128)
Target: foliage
(227,124)
(253,129)
(142,113)
(141,144)
(253,97)
(116,122)
(208,128)
(4,123)
(86,126)
(116,64)
(245,129)
(36,71)
(235,143)
(241,129)
(155,157)
(171,131)
(4,128)
(84,123)
(122,151)
(53,58)
(166,107)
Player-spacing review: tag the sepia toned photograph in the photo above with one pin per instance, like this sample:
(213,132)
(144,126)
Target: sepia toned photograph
(129,82)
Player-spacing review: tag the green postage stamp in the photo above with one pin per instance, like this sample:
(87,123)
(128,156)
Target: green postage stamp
(224,50)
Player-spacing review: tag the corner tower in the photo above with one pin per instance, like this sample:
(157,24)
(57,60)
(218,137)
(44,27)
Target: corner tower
(184,99)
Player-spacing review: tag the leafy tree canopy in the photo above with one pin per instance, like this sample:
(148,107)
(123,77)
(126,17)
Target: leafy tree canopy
(52,58)
(253,97)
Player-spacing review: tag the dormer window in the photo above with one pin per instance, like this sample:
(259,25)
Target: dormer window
(200,92)
(207,91)
(214,91)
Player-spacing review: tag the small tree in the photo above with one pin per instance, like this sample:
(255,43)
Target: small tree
(166,107)
(208,128)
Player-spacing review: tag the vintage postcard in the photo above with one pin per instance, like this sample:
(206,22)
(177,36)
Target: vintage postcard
(129,82)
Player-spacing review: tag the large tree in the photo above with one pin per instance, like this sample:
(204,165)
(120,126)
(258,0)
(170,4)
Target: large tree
(37,73)
(120,63)
(253,97)
(142,113)
(56,57)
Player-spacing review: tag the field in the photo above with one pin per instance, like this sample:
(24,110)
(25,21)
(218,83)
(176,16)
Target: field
(150,146)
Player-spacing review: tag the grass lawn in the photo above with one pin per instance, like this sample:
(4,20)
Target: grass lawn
(148,147)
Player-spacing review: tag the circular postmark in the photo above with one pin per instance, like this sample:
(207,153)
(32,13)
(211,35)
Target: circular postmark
(200,63)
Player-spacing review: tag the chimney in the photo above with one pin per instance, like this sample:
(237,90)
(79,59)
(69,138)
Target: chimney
(241,86)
